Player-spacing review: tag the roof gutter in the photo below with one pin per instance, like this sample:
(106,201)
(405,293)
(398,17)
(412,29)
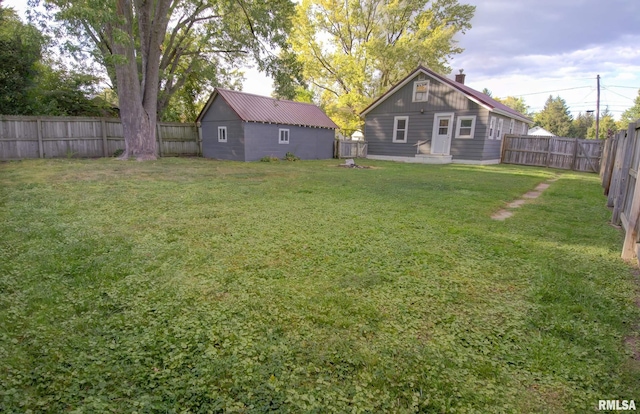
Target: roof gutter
(511,115)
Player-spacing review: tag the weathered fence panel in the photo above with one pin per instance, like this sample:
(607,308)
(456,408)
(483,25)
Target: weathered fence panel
(56,137)
(620,178)
(350,149)
(555,152)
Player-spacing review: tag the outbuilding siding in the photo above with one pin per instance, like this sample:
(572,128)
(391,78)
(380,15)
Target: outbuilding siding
(220,114)
(307,143)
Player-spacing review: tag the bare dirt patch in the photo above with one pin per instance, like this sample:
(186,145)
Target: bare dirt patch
(504,214)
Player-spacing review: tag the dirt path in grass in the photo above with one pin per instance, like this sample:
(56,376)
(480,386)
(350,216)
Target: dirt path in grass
(508,211)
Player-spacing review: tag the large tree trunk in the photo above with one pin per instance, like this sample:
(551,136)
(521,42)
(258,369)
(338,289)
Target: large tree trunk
(139,126)
(138,86)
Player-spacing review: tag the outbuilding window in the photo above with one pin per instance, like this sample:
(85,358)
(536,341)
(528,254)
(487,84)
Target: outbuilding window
(400,124)
(284,136)
(421,91)
(492,126)
(222,134)
(466,127)
(499,129)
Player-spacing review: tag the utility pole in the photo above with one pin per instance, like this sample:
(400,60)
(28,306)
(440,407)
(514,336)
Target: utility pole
(598,110)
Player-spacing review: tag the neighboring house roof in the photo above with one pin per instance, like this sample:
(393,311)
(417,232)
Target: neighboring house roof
(478,97)
(257,108)
(538,130)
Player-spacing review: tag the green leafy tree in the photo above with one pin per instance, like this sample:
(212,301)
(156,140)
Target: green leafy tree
(149,49)
(517,104)
(353,50)
(487,92)
(630,115)
(20,51)
(581,124)
(607,126)
(555,117)
(61,92)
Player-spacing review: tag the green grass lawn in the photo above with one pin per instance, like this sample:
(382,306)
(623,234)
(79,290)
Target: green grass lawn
(189,285)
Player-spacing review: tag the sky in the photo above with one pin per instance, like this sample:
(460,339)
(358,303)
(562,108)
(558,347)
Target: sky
(536,48)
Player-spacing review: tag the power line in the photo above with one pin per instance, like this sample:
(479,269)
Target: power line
(557,90)
(616,86)
(616,93)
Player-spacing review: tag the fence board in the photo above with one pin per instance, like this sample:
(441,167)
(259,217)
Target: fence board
(620,175)
(555,152)
(54,137)
(351,149)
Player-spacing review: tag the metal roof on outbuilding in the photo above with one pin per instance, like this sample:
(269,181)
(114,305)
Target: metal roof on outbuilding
(257,108)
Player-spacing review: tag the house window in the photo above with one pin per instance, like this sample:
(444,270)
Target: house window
(466,127)
(222,134)
(492,126)
(400,124)
(524,129)
(284,136)
(420,91)
(512,125)
(499,129)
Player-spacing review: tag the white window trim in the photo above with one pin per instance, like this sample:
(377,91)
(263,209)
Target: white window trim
(280,140)
(395,128)
(512,126)
(499,129)
(492,127)
(220,136)
(415,85)
(459,126)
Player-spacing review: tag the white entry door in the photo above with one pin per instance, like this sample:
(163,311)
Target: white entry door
(442,130)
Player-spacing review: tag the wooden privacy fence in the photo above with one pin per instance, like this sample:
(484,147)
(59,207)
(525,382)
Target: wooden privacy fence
(555,152)
(55,137)
(619,173)
(350,149)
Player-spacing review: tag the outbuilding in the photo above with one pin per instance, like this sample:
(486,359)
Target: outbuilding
(245,127)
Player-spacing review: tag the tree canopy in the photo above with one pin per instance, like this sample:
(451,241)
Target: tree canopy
(20,52)
(555,117)
(581,125)
(517,104)
(31,83)
(351,51)
(631,114)
(606,128)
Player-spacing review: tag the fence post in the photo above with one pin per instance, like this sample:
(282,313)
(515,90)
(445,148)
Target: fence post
(631,235)
(575,154)
(548,152)
(159,137)
(40,146)
(105,145)
(620,197)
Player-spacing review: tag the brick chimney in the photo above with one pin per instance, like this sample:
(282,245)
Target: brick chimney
(460,77)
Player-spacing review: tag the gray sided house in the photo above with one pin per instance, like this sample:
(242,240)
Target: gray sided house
(428,118)
(245,127)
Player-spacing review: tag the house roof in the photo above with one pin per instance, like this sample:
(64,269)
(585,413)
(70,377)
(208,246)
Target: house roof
(257,108)
(539,131)
(478,97)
